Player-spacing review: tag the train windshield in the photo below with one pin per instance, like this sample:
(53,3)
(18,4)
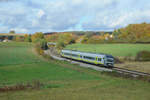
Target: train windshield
(110,58)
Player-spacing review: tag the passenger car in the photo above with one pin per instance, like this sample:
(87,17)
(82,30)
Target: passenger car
(94,58)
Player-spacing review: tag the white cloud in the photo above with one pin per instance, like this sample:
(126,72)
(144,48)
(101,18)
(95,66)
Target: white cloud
(3,28)
(20,30)
(60,15)
(40,13)
(131,17)
(35,23)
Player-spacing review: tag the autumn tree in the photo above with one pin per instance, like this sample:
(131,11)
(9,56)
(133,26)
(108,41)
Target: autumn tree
(52,38)
(19,39)
(27,38)
(37,36)
(12,32)
(85,39)
(65,39)
(134,32)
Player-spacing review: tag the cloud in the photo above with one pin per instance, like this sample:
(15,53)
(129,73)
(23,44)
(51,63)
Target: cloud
(21,30)
(6,0)
(40,13)
(60,15)
(3,28)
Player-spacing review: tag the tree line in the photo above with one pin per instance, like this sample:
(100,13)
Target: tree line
(133,33)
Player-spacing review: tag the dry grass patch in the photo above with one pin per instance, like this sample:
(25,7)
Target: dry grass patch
(138,66)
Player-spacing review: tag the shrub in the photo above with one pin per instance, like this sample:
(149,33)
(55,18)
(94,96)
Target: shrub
(43,44)
(27,38)
(41,52)
(128,57)
(18,38)
(40,46)
(84,39)
(143,56)
(37,48)
(117,61)
(60,45)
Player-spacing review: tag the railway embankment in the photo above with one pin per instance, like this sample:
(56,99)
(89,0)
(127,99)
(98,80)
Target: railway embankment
(50,53)
(131,73)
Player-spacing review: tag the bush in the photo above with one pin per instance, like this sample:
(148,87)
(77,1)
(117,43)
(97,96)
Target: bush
(37,48)
(117,61)
(60,45)
(40,46)
(18,39)
(143,56)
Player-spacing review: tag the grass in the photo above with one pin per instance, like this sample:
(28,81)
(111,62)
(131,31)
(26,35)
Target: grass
(119,50)
(16,53)
(63,81)
(138,66)
(19,64)
(108,89)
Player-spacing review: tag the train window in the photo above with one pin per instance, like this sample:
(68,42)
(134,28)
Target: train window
(90,58)
(99,59)
(74,55)
(110,60)
(67,54)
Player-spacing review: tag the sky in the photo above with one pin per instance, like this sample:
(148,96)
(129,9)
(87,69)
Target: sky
(29,16)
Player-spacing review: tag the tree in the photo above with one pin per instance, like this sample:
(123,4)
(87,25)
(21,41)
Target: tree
(52,38)
(85,39)
(19,39)
(65,39)
(60,44)
(43,44)
(37,36)
(27,38)
(134,32)
(12,32)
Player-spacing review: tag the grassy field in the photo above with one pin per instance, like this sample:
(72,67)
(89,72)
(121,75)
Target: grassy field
(62,81)
(19,64)
(119,50)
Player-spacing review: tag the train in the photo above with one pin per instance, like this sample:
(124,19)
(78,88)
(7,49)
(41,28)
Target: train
(105,60)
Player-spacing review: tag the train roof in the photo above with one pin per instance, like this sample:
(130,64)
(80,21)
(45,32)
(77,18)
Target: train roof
(89,53)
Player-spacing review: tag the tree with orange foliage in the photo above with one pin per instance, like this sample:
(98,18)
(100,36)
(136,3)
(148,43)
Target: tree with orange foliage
(27,38)
(134,32)
(65,39)
(37,36)
(52,38)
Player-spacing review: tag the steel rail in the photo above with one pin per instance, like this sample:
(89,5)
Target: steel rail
(123,70)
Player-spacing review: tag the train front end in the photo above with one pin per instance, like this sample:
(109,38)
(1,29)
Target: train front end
(109,61)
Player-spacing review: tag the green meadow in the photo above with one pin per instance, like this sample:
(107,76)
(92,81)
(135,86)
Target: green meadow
(119,50)
(18,63)
(62,80)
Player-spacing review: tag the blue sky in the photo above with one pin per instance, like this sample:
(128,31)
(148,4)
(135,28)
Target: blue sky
(29,16)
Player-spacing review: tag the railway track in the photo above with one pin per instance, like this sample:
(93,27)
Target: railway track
(98,68)
(131,72)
